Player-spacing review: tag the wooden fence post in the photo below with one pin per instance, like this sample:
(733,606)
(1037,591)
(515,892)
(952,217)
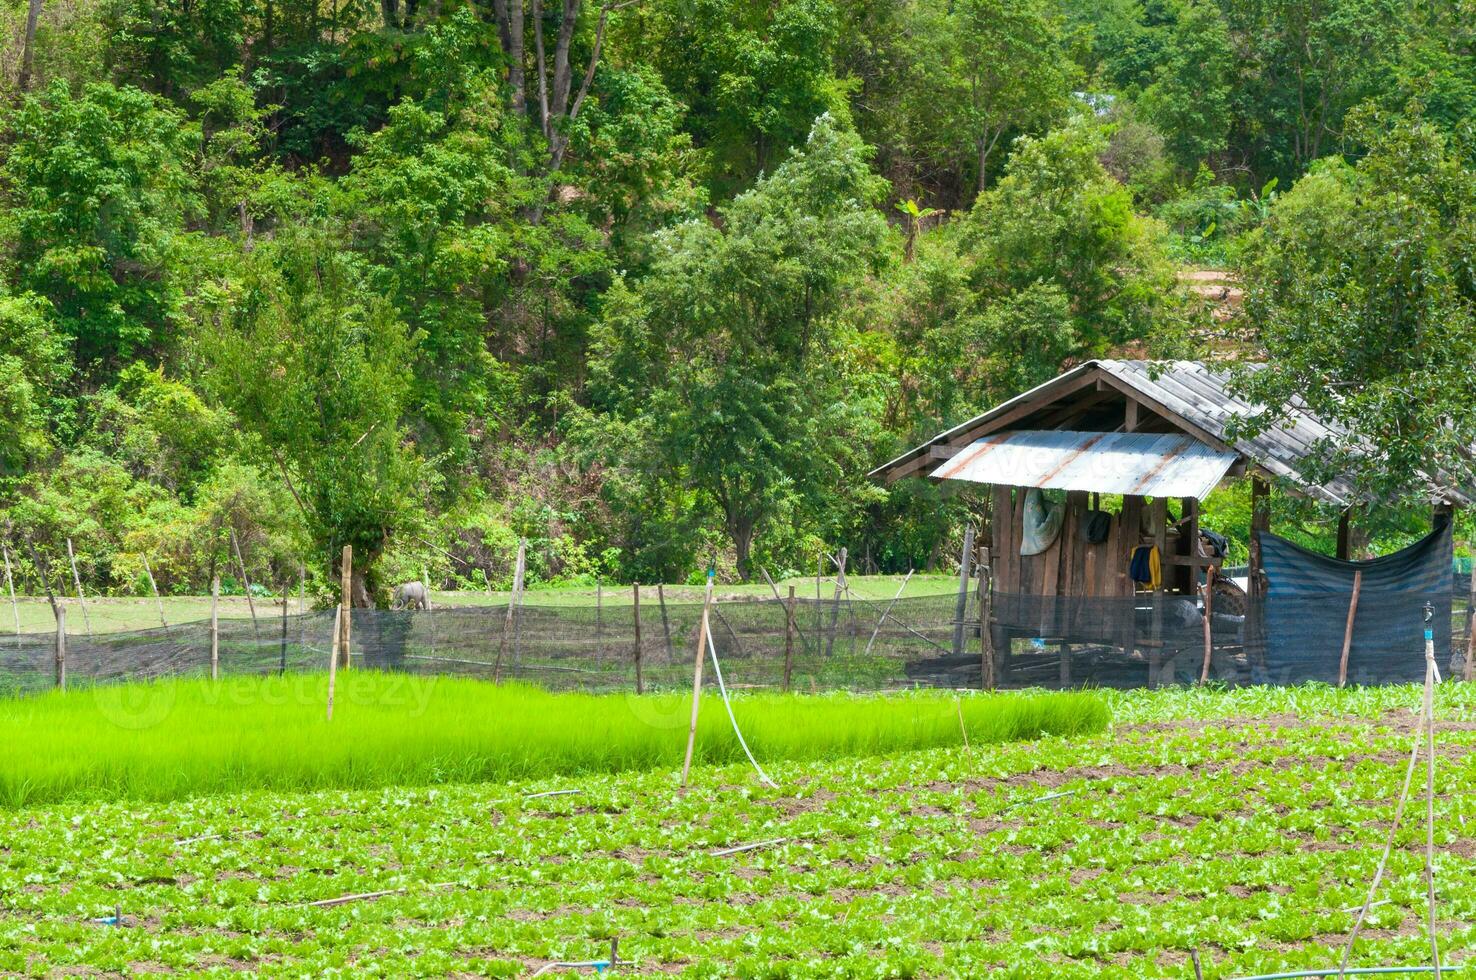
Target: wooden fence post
(1469,670)
(986,630)
(599,619)
(10,584)
(1348,629)
(345,617)
(215,628)
(635,595)
(155,587)
(961,604)
(665,623)
(333,657)
(788,639)
(697,682)
(81,600)
(512,602)
(286,597)
(245,580)
(1209,607)
(840,584)
(61,647)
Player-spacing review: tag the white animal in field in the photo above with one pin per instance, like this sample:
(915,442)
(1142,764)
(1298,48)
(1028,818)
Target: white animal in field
(411,595)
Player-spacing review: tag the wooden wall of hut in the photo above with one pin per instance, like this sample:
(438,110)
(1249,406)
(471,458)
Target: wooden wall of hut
(1071,566)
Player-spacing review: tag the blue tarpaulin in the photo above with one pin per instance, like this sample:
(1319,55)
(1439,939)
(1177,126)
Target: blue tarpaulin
(1306,611)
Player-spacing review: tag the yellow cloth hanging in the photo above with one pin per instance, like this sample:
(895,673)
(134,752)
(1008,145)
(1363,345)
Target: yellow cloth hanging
(1146,567)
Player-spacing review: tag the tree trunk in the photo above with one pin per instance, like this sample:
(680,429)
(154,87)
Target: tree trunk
(516,78)
(742,534)
(390,10)
(28,46)
(359,595)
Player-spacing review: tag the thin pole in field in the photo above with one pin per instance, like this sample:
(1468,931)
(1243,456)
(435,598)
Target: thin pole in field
(10,584)
(840,584)
(599,619)
(697,682)
(215,628)
(1469,670)
(887,611)
(789,629)
(819,570)
(333,656)
(512,601)
(1209,639)
(775,589)
(286,598)
(345,617)
(155,587)
(635,595)
(61,647)
(245,580)
(665,623)
(72,557)
(302,605)
(1429,711)
(1348,629)
(961,603)
(986,629)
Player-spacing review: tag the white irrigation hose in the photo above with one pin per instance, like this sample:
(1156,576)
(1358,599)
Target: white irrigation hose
(718,670)
(1424,731)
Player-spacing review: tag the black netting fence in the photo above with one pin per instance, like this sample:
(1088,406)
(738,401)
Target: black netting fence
(847,644)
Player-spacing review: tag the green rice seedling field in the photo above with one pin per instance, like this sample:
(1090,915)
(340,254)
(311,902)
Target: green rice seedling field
(179,737)
(1242,825)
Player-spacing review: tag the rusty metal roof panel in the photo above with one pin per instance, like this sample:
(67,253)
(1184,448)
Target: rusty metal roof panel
(1141,463)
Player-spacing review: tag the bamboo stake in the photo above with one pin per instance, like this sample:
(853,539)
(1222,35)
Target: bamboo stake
(61,647)
(245,579)
(215,628)
(333,657)
(599,620)
(10,584)
(775,589)
(697,682)
(958,703)
(1468,671)
(512,601)
(1429,709)
(635,593)
(346,585)
(987,679)
(665,623)
(1209,598)
(840,583)
(789,631)
(286,597)
(819,570)
(72,557)
(155,586)
(887,611)
(1348,630)
(961,603)
(519,587)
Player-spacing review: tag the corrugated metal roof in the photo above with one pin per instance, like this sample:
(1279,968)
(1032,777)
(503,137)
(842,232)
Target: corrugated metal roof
(1198,399)
(1142,463)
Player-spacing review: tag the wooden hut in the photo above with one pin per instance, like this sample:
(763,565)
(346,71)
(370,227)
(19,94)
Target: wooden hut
(1155,436)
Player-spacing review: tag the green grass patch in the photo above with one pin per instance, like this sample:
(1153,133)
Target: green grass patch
(174,738)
